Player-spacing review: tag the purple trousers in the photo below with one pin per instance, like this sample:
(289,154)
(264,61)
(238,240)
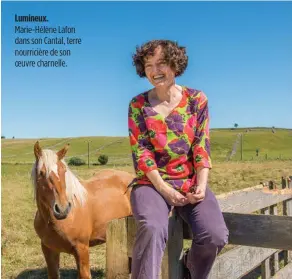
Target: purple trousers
(151,211)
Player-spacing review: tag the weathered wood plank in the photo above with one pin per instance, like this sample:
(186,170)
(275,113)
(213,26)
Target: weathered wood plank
(117,261)
(257,230)
(239,261)
(266,231)
(284,273)
(252,199)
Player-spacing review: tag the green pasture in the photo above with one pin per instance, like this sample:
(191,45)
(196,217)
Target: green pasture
(271,146)
(21,253)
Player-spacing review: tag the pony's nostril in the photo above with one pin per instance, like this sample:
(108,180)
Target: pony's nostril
(61,212)
(57,209)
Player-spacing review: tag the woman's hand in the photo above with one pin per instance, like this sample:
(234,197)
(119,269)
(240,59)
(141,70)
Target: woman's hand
(198,195)
(172,196)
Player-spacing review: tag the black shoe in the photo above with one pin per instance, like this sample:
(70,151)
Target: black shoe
(187,274)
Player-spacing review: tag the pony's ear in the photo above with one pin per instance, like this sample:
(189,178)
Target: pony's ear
(61,154)
(37,150)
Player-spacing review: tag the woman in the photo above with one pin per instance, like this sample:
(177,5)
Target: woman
(169,137)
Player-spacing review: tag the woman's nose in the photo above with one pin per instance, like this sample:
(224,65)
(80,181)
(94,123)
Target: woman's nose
(156,69)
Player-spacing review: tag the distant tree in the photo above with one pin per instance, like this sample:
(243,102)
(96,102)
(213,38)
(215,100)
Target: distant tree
(273,129)
(103,159)
(13,137)
(235,125)
(75,161)
(2,137)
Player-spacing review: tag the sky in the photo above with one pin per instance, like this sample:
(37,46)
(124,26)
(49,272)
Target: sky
(240,55)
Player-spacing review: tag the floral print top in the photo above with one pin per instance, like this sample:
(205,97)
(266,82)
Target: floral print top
(175,145)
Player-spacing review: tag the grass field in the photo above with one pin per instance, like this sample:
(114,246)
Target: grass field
(274,145)
(21,252)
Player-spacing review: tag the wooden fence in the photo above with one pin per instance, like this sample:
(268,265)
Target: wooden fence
(260,237)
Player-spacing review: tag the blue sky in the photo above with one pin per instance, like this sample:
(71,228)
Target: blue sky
(239,55)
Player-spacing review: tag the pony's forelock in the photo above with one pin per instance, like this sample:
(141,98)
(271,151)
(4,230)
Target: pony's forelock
(74,189)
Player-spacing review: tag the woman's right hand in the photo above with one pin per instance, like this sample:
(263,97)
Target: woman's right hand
(172,196)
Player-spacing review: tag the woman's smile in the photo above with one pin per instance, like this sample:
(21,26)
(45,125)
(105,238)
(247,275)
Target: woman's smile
(159,78)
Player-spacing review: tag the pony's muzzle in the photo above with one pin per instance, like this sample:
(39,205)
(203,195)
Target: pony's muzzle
(61,212)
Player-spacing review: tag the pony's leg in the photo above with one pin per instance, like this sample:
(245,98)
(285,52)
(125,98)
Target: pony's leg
(82,260)
(52,260)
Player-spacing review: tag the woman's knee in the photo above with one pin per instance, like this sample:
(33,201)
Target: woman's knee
(153,228)
(220,238)
(215,235)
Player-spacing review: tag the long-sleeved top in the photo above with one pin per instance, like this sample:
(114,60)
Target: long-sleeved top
(176,145)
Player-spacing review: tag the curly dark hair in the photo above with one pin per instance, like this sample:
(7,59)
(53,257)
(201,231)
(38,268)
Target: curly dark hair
(174,55)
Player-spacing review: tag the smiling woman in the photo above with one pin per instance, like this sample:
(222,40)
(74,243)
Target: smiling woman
(169,137)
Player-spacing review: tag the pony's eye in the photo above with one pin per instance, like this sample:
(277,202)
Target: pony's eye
(42,173)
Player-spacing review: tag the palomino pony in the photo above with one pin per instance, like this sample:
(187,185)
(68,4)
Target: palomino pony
(72,215)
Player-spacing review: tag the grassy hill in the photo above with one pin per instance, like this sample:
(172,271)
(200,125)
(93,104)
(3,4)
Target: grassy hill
(21,251)
(273,145)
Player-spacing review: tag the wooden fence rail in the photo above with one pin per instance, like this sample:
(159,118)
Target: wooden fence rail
(262,237)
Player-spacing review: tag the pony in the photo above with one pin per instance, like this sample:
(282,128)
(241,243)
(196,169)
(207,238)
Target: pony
(72,214)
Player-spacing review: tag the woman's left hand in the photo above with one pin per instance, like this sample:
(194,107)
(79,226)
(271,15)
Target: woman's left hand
(198,196)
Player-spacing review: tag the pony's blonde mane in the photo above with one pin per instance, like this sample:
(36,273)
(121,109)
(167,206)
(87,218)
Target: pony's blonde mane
(75,191)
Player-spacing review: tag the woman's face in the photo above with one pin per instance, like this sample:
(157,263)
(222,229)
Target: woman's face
(158,72)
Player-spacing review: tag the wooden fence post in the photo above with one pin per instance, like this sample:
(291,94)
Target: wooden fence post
(265,266)
(274,211)
(287,210)
(172,265)
(117,261)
